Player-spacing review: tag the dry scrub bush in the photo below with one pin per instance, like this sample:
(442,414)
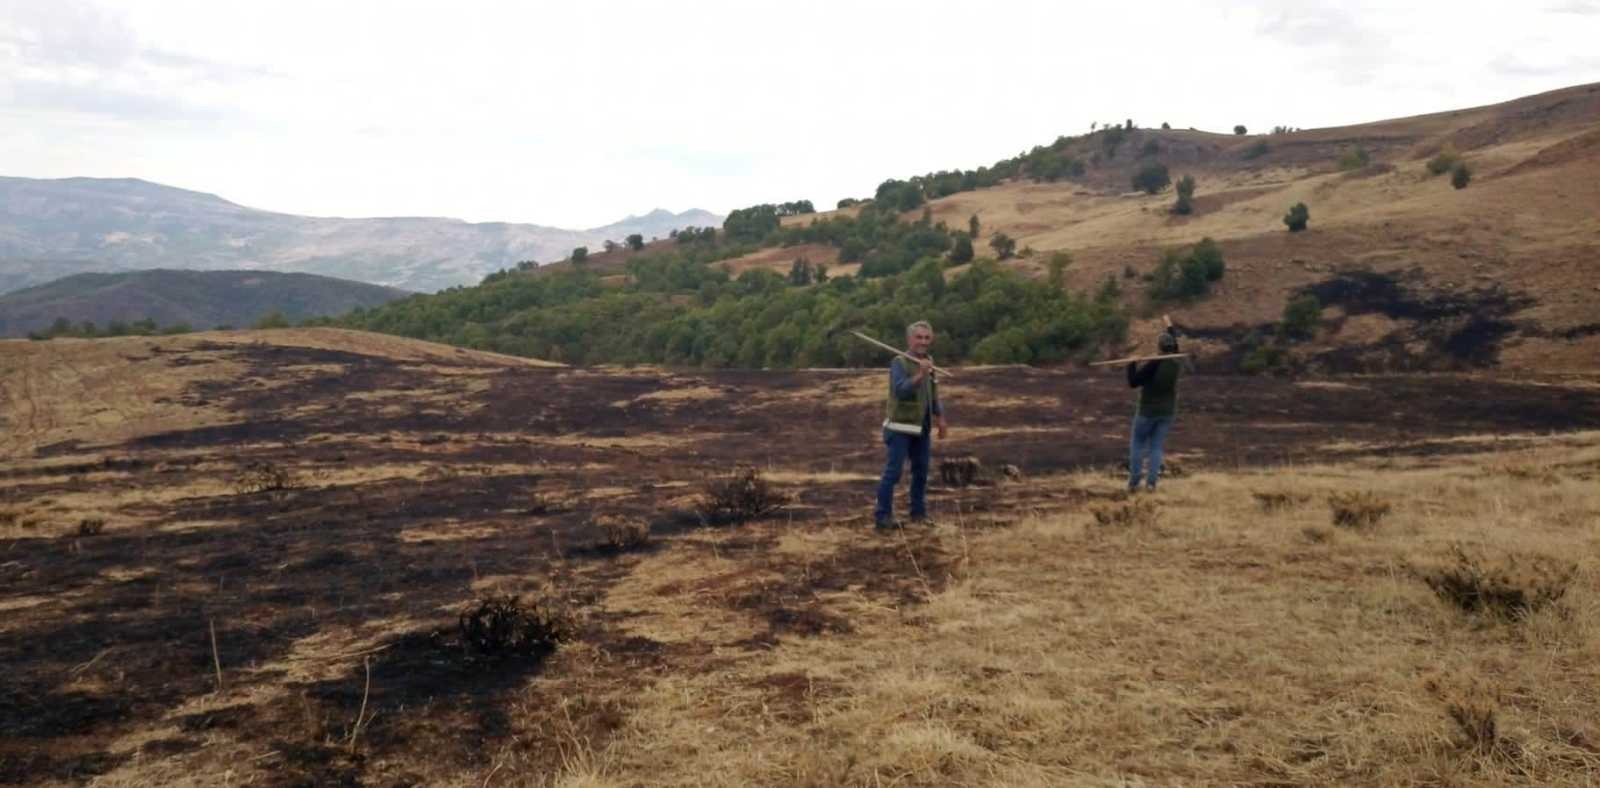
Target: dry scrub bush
(91,526)
(1358,509)
(264,476)
(497,627)
(1139,512)
(1512,586)
(1279,501)
(8,517)
(740,496)
(622,534)
(1317,535)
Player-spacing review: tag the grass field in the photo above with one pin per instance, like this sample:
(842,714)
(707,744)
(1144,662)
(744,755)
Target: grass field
(242,559)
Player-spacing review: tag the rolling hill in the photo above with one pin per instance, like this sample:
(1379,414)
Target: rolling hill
(200,299)
(127,224)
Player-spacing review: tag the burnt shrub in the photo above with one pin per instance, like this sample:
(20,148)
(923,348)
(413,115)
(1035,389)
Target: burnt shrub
(264,476)
(739,496)
(960,471)
(497,627)
(1512,585)
(622,534)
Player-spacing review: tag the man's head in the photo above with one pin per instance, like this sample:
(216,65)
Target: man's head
(1167,343)
(919,336)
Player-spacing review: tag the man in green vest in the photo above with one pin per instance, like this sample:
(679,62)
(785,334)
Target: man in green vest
(911,409)
(1157,382)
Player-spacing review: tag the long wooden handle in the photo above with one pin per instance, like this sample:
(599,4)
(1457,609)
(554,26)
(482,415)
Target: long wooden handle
(1136,358)
(899,352)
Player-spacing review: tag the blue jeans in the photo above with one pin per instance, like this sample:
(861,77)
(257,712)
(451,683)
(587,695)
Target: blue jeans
(919,449)
(1149,437)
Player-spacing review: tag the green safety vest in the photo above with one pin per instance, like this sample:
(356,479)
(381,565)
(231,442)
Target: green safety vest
(905,415)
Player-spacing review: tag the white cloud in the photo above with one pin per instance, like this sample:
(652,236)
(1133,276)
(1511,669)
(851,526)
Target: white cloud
(577,114)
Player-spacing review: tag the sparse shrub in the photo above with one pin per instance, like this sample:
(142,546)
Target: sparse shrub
(1279,501)
(1185,204)
(1443,161)
(91,526)
(1358,510)
(1151,177)
(1297,217)
(1512,586)
(742,495)
(1460,175)
(1240,130)
(1317,535)
(1354,159)
(1263,358)
(1150,148)
(497,627)
(960,471)
(264,476)
(622,534)
(1301,316)
(1258,149)
(8,517)
(1138,512)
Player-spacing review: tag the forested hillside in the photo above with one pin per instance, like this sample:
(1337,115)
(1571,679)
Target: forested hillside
(676,305)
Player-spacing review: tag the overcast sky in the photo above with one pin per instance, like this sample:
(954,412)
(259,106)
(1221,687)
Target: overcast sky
(578,113)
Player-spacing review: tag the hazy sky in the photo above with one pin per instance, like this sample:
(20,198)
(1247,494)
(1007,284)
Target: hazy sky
(575,114)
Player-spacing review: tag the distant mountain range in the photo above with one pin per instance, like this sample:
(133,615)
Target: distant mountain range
(200,299)
(55,228)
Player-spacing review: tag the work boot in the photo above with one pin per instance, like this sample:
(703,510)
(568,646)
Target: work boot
(923,521)
(887,524)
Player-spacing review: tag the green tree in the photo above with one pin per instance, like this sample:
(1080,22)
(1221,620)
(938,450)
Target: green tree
(1240,130)
(635,242)
(1165,126)
(274,319)
(580,255)
(1057,267)
(1460,175)
(801,273)
(1297,217)
(1185,203)
(1003,245)
(1301,316)
(1151,177)
(972,226)
(1354,159)
(751,225)
(961,252)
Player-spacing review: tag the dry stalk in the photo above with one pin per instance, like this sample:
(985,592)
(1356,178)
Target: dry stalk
(216,659)
(355,730)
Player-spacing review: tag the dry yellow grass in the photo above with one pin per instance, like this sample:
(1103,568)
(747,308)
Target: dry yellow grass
(1223,646)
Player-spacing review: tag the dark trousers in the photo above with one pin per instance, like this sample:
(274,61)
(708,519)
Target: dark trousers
(900,446)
